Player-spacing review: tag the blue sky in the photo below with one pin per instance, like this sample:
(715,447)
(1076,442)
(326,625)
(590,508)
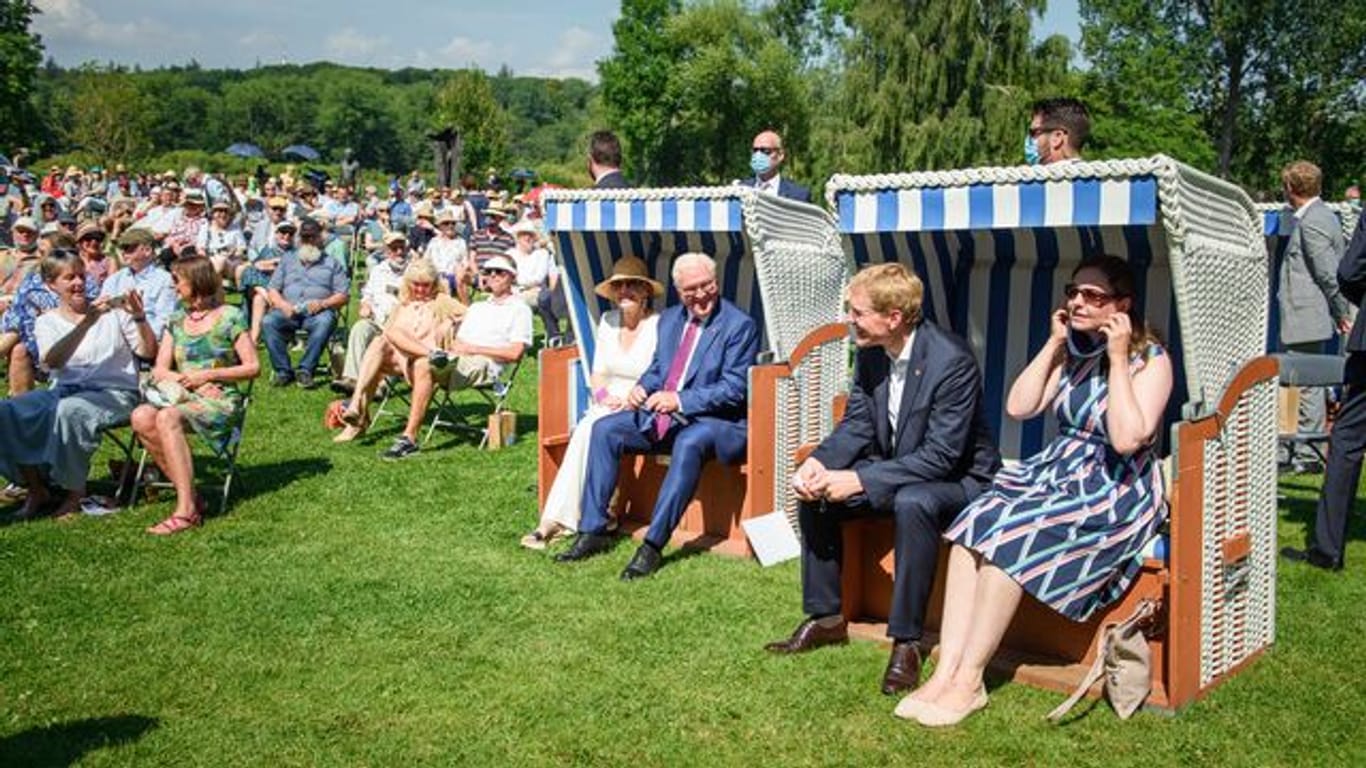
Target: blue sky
(553,38)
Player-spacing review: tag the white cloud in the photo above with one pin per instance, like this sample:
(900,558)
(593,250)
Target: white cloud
(74,21)
(349,44)
(574,54)
(463,51)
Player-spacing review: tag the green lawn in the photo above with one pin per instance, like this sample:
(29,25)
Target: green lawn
(348,611)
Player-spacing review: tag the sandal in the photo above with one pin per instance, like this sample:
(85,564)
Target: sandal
(535,540)
(348,434)
(175,524)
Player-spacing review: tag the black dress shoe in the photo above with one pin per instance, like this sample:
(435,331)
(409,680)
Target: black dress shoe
(903,668)
(810,635)
(1312,557)
(646,561)
(585,546)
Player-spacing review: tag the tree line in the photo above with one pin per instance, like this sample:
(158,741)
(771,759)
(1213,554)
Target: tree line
(855,86)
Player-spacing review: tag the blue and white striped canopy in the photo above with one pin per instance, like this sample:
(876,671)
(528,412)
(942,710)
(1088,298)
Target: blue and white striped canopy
(995,258)
(594,229)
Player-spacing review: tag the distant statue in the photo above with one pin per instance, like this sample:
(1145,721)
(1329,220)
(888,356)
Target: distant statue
(349,168)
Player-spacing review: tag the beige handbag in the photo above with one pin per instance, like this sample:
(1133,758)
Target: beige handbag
(1125,660)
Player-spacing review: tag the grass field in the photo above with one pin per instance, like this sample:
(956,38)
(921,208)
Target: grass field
(348,611)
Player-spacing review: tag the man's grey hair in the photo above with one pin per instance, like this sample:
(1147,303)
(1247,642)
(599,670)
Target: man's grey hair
(691,261)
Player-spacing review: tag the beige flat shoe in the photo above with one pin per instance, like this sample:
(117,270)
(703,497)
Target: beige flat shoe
(935,716)
(348,434)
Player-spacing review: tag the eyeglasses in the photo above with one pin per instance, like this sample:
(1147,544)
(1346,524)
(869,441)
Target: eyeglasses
(1041,130)
(769,150)
(698,290)
(1091,296)
(279,208)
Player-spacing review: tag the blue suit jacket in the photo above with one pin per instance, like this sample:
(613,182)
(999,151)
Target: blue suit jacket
(789,189)
(715,387)
(1352,281)
(942,433)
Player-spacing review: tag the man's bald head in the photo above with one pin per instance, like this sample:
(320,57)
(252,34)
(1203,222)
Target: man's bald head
(771,144)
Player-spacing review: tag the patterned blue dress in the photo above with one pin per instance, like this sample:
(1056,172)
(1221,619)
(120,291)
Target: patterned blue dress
(1070,523)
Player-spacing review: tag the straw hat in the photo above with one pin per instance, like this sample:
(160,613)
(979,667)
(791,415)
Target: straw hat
(628,268)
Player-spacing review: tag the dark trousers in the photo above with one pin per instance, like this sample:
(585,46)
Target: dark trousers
(921,512)
(278,331)
(689,448)
(551,306)
(1346,444)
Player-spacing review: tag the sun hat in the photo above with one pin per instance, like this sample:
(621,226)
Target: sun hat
(501,263)
(628,268)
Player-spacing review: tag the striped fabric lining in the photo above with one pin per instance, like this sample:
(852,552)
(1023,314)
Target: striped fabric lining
(591,235)
(1085,202)
(996,286)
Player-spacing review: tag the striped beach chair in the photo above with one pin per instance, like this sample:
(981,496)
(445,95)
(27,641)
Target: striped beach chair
(995,247)
(591,229)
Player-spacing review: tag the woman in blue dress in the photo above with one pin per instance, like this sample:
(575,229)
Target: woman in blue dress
(1069,524)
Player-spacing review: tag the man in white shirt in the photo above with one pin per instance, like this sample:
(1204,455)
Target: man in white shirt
(493,333)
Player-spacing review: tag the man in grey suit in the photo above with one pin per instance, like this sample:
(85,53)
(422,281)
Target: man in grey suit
(1311,303)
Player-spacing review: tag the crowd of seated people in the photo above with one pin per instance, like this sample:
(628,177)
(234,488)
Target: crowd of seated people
(287,244)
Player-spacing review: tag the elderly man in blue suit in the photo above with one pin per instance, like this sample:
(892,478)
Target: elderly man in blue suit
(913,445)
(690,403)
(766,160)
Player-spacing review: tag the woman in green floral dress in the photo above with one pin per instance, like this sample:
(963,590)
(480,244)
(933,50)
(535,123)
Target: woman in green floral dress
(203,355)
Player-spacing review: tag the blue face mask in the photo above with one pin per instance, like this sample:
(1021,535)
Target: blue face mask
(760,163)
(1031,151)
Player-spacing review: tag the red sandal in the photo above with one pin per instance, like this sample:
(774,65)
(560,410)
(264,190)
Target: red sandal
(177,523)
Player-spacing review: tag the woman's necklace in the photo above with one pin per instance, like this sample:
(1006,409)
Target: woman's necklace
(198,315)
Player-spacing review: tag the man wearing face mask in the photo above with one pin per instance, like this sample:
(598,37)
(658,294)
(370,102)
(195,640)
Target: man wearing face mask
(1058,129)
(377,299)
(766,160)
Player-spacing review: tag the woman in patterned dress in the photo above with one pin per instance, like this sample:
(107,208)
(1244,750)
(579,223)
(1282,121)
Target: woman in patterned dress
(204,353)
(1069,524)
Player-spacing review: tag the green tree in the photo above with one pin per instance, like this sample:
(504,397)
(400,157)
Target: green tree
(466,103)
(1265,80)
(633,78)
(687,88)
(731,80)
(355,112)
(271,110)
(21,52)
(939,84)
(109,115)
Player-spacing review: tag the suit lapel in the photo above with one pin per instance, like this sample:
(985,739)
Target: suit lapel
(880,421)
(915,371)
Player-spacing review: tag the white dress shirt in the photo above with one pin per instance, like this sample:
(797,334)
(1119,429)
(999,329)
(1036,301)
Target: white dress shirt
(896,382)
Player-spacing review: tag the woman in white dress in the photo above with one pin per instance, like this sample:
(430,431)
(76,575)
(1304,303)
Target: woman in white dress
(625,344)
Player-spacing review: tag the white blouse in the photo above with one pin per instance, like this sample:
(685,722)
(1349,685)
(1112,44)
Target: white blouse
(623,367)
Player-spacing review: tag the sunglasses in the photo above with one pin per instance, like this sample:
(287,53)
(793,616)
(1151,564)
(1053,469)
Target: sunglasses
(769,150)
(1041,130)
(1091,296)
(279,209)
(492,272)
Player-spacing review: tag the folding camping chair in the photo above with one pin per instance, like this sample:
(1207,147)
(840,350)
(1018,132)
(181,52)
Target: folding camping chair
(495,393)
(228,456)
(1298,370)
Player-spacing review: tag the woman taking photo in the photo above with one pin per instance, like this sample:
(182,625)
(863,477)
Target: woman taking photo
(89,348)
(205,354)
(1069,524)
(625,344)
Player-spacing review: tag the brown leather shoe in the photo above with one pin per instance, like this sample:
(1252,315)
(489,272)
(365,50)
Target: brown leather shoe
(903,668)
(810,635)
